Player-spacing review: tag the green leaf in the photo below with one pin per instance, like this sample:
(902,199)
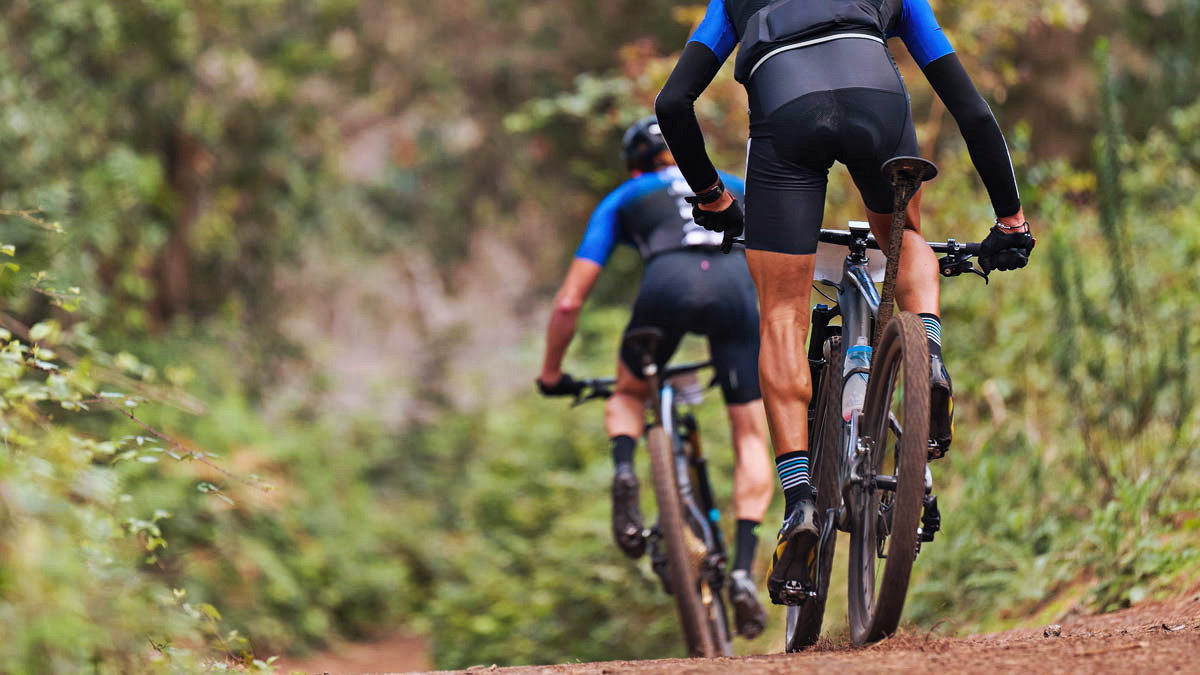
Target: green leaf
(209,611)
(40,331)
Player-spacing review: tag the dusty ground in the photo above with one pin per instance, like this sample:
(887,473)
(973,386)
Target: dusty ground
(398,653)
(1154,637)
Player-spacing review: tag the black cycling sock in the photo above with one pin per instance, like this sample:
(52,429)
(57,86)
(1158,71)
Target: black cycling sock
(933,331)
(622,449)
(747,539)
(794,477)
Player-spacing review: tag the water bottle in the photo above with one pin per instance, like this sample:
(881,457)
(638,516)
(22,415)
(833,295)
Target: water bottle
(855,389)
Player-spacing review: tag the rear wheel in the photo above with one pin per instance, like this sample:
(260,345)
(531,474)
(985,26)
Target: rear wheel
(804,621)
(685,552)
(886,503)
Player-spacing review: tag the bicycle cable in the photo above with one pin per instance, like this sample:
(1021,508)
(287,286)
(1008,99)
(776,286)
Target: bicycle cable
(824,294)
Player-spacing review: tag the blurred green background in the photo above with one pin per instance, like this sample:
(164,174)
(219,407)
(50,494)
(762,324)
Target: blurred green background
(274,281)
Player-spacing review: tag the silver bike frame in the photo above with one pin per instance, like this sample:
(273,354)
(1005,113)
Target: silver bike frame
(858,303)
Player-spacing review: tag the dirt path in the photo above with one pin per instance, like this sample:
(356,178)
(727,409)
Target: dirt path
(398,653)
(1153,637)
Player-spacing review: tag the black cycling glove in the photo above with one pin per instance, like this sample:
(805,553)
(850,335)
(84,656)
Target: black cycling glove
(1005,250)
(731,221)
(566,386)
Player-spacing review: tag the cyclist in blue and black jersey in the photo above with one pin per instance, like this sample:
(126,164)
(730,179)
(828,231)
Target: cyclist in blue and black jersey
(823,87)
(688,286)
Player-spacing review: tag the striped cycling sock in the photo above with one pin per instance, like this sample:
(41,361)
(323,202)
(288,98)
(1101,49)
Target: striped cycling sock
(933,331)
(794,477)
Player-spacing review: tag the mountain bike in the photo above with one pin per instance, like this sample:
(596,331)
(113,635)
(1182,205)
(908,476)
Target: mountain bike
(687,548)
(870,470)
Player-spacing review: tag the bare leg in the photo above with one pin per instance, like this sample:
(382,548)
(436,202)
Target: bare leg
(753,477)
(784,283)
(625,413)
(918,287)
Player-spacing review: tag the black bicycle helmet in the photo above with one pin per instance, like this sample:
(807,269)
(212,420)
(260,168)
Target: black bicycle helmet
(642,143)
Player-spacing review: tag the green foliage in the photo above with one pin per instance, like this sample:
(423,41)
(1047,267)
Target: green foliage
(72,590)
(1092,485)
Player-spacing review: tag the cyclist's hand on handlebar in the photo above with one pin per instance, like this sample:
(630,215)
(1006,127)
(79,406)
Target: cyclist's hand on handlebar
(565,386)
(1005,251)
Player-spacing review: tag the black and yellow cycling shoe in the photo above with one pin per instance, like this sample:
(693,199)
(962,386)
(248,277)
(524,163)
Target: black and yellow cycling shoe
(941,408)
(795,554)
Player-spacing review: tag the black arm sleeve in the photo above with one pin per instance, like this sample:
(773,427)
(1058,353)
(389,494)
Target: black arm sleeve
(979,129)
(696,68)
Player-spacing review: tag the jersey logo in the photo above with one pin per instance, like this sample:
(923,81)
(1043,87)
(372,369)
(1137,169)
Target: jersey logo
(693,234)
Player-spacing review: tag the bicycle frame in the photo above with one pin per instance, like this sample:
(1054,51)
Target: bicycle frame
(858,304)
(690,460)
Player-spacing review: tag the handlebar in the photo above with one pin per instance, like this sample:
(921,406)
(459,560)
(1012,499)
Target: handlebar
(602,387)
(847,238)
(956,262)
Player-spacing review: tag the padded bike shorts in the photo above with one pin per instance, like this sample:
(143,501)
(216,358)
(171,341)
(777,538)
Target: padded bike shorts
(842,100)
(709,293)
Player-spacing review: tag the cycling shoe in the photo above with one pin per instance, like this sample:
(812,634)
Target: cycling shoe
(626,513)
(750,617)
(795,551)
(941,408)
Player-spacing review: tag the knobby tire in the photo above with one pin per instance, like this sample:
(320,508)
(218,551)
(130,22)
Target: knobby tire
(876,616)
(671,524)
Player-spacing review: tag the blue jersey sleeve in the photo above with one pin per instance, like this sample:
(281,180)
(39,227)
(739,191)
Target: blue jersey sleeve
(716,31)
(921,33)
(602,231)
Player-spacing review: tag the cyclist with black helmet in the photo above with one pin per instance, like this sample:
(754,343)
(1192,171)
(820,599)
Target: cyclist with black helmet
(823,87)
(688,286)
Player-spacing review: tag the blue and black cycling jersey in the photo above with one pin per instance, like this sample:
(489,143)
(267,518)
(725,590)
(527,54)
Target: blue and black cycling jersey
(765,29)
(649,213)
(727,22)
(689,286)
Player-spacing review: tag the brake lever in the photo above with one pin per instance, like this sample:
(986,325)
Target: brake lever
(730,241)
(954,265)
(727,242)
(596,393)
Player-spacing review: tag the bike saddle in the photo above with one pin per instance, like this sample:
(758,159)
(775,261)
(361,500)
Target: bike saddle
(909,170)
(643,342)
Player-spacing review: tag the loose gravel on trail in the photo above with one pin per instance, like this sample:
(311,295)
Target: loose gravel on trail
(1152,637)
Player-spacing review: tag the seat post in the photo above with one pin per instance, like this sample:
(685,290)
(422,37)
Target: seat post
(906,174)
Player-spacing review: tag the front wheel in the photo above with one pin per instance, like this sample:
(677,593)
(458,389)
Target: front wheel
(888,481)
(685,552)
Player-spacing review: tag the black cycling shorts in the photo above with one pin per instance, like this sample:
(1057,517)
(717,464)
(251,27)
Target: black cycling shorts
(709,293)
(842,100)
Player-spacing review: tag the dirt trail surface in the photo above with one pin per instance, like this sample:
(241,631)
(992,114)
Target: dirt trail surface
(1153,637)
(397,653)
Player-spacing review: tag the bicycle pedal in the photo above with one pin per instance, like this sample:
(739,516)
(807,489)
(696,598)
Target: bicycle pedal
(931,519)
(795,593)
